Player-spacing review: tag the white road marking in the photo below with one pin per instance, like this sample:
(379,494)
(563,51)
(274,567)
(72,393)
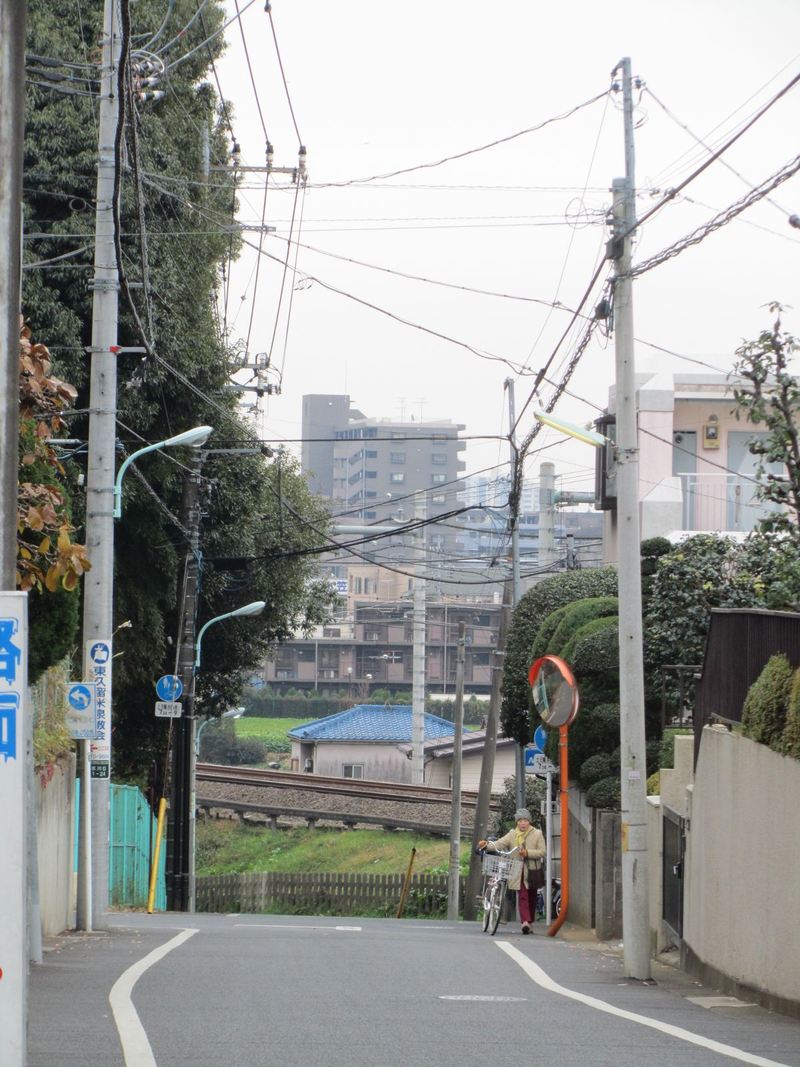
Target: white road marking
(136,1048)
(535,972)
(295,926)
(478,996)
(720,1002)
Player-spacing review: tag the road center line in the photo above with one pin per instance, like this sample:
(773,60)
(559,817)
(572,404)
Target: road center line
(136,1048)
(535,972)
(295,926)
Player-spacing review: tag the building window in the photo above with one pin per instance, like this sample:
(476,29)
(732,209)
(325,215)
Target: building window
(439,459)
(372,474)
(397,457)
(370,514)
(352,770)
(438,479)
(396,477)
(370,494)
(371,453)
(439,498)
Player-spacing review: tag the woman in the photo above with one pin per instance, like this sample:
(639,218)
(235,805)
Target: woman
(531,849)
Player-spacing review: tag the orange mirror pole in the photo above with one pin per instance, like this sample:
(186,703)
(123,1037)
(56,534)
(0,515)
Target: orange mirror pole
(563,796)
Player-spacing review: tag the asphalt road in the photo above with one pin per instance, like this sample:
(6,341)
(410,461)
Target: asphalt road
(251,991)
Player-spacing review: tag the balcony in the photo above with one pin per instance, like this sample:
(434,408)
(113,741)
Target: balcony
(721,502)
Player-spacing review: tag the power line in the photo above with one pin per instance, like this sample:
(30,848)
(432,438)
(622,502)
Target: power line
(469,151)
(268,9)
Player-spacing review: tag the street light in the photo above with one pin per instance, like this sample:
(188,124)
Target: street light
(195,437)
(255,608)
(236,713)
(581,433)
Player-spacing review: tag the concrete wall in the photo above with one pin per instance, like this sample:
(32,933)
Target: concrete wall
(55,812)
(581,859)
(608,876)
(741,906)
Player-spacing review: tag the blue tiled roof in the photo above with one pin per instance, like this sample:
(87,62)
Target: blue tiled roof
(371,722)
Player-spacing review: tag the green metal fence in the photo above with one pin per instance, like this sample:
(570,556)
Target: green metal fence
(133,838)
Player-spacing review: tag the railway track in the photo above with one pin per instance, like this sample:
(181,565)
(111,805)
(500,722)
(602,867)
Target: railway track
(385,791)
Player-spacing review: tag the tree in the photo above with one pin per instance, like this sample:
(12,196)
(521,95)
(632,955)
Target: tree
(261,532)
(764,712)
(49,563)
(773,401)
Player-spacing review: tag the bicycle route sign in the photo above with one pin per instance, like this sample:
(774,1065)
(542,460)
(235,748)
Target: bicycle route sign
(169,687)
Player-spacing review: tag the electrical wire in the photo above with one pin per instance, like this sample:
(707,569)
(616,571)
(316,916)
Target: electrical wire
(211,37)
(268,9)
(468,152)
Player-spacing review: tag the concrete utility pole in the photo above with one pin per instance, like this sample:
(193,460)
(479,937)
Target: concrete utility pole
(180,840)
(12,108)
(98,589)
(547,512)
(455,806)
(635,912)
(516,580)
(418,655)
(16,763)
(487,764)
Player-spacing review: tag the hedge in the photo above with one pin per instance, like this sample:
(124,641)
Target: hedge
(576,617)
(764,713)
(594,649)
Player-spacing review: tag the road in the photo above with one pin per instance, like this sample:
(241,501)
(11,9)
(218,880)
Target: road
(252,991)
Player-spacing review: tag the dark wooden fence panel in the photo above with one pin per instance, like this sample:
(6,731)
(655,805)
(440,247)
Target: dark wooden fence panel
(314,891)
(739,643)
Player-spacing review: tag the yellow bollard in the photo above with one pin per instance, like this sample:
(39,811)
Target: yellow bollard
(406,884)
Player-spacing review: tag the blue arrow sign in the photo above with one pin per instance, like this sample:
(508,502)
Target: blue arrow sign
(169,687)
(540,738)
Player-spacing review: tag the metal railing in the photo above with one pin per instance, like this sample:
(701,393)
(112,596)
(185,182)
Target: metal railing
(714,502)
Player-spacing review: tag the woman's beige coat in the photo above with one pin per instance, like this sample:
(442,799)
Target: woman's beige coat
(534,843)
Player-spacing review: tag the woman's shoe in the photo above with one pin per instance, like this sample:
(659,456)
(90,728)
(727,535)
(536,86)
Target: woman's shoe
(526,929)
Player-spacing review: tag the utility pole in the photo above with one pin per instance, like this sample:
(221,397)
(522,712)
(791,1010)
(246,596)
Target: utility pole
(547,535)
(516,580)
(455,805)
(98,589)
(487,764)
(418,655)
(635,911)
(180,842)
(17,762)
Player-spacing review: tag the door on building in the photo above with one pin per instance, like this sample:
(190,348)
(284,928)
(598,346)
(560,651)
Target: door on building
(684,466)
(674,833)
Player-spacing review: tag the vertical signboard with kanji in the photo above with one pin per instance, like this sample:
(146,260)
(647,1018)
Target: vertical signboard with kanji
(97,669)
(13,768)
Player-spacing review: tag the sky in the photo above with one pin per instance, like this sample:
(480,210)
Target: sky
(378,87)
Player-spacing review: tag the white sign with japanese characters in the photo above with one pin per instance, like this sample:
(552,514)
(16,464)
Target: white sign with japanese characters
(97,669)
(13,769)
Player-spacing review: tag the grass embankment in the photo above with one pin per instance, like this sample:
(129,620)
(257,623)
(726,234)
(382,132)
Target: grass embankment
(266,730)
(229,848)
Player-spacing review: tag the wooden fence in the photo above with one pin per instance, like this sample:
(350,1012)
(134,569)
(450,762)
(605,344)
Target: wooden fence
(311,893)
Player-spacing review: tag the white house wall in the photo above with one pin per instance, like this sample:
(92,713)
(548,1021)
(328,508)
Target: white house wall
(381,762)
(438,772)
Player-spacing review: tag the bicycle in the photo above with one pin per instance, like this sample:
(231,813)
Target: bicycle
(497,868)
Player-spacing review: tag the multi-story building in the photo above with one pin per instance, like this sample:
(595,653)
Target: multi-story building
(375,651)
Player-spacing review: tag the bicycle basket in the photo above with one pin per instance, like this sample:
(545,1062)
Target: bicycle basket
(501,866)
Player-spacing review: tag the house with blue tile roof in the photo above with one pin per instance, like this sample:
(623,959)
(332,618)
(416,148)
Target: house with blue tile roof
(365,741)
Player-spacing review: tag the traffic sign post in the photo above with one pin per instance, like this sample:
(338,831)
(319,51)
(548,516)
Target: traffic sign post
(168,709)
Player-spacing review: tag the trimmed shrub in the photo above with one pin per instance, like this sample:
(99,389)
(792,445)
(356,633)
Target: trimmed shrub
(595,647)
(595,731)
(530,613)
(764,713)
(654,784)
(544,635)
(605,794)
(576,616)
(791,732)
(594,769)
(219,744)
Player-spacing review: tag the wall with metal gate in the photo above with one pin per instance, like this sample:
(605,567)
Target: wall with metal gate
(133,835)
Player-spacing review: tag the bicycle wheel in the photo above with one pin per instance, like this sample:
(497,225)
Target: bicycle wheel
(486,903)
(496,906)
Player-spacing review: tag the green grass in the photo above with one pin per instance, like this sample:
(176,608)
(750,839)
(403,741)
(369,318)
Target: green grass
(229,848)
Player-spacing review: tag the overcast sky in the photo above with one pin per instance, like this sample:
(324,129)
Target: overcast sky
(379,87)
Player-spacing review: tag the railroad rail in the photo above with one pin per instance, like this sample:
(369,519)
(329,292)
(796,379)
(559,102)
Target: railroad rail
(389,791)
